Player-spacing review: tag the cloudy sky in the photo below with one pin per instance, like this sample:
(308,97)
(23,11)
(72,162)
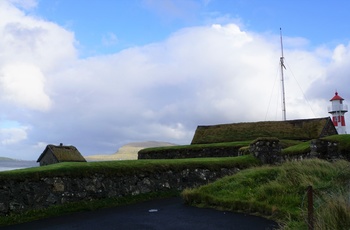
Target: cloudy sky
(98,74)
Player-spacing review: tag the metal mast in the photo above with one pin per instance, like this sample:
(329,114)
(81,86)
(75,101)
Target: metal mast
(282,80)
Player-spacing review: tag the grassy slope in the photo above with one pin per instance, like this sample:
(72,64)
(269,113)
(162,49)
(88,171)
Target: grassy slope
(6,159)
(279,192)
(276,192)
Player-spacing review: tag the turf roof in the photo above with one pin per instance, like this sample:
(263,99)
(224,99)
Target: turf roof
(301,129)
(64,153)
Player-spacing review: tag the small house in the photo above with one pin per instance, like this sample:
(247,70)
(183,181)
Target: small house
(54,154)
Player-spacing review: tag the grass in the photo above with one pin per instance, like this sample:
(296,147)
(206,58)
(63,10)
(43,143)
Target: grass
(343,140)
(287,143)
(304,129)
(300,148)
(277,192)
(333,211)
(288,146)
(129,167)
(237,144)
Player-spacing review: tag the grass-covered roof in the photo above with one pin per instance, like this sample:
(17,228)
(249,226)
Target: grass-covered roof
(301,129)
(64,153)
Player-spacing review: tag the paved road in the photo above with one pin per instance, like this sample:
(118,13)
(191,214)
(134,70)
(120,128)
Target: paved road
(169,213)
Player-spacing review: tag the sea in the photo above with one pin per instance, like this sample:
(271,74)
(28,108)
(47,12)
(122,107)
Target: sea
(6,165)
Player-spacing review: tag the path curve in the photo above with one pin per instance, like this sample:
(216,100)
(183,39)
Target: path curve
(160,214)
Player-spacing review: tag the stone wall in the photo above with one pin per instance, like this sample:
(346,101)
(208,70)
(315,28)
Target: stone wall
(191,152)
(268,151)
(19,196)
(328,150)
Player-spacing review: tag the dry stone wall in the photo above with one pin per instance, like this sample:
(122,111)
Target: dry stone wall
(268,151)
(20,196)
(328,150)
(230,151)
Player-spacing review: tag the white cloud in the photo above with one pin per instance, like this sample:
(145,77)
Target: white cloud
(23,85)
(25,4)
(10,136)
(31,49)
(198,76)
(37,42)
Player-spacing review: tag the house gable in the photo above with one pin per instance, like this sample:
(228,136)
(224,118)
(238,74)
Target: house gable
(47,158)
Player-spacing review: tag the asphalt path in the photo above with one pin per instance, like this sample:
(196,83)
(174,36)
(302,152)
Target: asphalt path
(159,214)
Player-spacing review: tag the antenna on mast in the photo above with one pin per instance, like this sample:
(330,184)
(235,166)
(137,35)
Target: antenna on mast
(282,80)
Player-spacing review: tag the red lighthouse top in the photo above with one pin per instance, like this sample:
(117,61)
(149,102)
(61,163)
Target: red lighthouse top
(337,97)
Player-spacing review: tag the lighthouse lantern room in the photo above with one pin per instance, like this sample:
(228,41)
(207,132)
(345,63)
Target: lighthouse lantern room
(338,109)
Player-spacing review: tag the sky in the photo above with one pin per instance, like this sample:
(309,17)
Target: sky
(99,74)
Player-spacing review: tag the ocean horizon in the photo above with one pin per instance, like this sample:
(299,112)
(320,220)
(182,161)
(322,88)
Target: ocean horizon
(7,165)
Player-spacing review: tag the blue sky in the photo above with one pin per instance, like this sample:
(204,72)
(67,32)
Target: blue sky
(108,26)
(98,74)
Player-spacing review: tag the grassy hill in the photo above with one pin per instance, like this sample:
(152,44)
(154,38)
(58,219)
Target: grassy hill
(280,193)
(6,159)
(128,151)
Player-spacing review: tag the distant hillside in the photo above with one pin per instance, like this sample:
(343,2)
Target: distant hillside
(6,159)
(128,151)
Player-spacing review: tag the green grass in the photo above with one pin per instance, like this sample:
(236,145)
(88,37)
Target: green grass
(287,143)
(237,144)
(276,192)
(343,140)
(304,129)
(129,167)
(300,148)
(333,210)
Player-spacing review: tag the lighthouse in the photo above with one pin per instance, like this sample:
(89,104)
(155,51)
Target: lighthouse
(338,109)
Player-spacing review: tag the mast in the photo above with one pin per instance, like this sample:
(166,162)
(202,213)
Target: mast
(282,80)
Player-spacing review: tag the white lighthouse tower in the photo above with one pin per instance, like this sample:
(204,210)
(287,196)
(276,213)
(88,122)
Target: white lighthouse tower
(338,109)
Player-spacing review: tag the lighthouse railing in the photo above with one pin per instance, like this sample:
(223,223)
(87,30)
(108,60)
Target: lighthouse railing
(340,108)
